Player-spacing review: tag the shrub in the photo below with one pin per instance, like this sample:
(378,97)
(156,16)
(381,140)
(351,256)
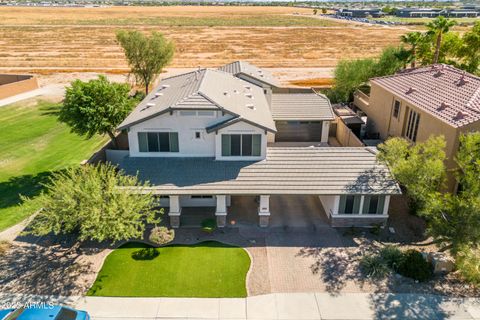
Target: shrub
(373,266)
(4,247)
(392,256)
(161,235)
(468,264)
(209,225)
(145,254)
(415,266)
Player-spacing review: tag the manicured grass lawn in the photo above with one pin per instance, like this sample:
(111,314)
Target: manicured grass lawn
(207,269)
(32,144)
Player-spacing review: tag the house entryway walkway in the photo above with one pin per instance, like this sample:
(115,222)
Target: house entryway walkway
(287,306)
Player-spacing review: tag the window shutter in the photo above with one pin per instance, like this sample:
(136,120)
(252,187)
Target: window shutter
(173,141)
(226,150)
(256,145)
(142,142)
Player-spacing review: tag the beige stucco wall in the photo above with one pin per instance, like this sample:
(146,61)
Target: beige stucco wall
(11,85)
(345,136)
(381,120)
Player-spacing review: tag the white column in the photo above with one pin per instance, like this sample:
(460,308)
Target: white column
(175,211)
(221,211)
(362,200)
(264,210)
(336,205)
(386,204)
(325,131)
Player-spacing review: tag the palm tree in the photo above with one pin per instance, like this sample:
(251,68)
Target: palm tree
(413,39)
(438,28)
(404,56)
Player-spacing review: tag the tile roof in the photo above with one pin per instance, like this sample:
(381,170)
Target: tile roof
(310,170)
(447,93)
(242,67)
(301,106)
(205,89)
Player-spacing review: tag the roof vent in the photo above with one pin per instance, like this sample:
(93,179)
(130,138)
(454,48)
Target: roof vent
(225,93)
(248,87)
(236,91)
(150,104)
(165,86)
(443,106)
(249,95)
(410,90)
(251,107)
(462,80)
(460,115)
(157,94)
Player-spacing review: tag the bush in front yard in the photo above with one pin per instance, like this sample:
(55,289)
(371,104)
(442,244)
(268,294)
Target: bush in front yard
(392,256)
(209,225)
(374,266)
(468,264)
(161,235)
(415,266)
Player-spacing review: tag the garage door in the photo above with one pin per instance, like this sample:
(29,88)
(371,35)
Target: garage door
(296,131)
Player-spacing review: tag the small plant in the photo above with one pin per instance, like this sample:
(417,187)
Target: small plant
(415,266)
(392,256)
(161,235)
(468,264)
(376,229)
(373,266)
(4,247)
(209,225)
(145,254)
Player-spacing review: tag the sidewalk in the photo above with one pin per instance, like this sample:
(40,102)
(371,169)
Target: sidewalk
(285,306)
(49,90)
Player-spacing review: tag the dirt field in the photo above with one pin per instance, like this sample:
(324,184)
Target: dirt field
(50,40)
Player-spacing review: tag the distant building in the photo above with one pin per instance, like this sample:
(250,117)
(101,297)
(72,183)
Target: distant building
(360,13)
(435,12)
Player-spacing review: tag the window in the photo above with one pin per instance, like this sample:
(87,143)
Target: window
(373,204)
(188,113)
(198,113)
(349,204)
(206,113)
(412,125)
(396,109)
(201,197)
(158,141)
(241,145)
(198,134)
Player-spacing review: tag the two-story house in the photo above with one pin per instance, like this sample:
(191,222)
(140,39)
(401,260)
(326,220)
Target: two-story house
(206,136)
(418,103)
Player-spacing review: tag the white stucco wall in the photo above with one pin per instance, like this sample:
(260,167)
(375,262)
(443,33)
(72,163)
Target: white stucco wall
(240,128)
(186,126)
(330,204)
(187,201)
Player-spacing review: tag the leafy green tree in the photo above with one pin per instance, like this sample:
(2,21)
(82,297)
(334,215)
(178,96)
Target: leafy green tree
(469,52)
(389,62)
(96,107)
(419,168)
(324,11)
(86,201)
(413,39)
(146,55)
(438,27)
(349,75)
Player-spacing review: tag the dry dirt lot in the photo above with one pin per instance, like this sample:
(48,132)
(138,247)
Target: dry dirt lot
(49,40)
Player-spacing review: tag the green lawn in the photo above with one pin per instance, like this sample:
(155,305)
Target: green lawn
(32,144)
(207,269)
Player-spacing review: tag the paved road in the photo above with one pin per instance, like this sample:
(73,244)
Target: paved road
(285,306)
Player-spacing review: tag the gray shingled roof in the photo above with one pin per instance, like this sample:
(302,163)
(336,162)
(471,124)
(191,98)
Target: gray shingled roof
(242,67)
(205,89)
(322,171)
(447,93)
(301,106)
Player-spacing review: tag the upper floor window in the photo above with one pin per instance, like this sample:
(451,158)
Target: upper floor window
(241,145)
(396,109)
(373,204)
(412,125)
(158,141)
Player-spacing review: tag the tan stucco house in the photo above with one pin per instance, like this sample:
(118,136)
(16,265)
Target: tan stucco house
(418,103)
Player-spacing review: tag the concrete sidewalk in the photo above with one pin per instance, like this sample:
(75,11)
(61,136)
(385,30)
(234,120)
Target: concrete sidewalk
(285,306)
(49,90)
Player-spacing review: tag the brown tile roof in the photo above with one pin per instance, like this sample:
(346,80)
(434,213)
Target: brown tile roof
(449,94)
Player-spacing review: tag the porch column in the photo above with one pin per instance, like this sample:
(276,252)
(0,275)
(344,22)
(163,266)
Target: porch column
(175,211)
(386,204)
(264,210)
(221,211)
(325,131)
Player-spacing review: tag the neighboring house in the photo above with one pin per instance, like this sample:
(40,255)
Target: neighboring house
(206,136)
(418,103)
(435,12)
(361,13)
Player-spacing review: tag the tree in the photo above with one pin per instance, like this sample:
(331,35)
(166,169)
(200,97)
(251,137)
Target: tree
(413,39)
(438,27)
(324,11)
(389,62)
(146,55)
(96,107)
(315,12)
(349,75)
(86,201)
(419,168)
(404,55)
(469,52)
